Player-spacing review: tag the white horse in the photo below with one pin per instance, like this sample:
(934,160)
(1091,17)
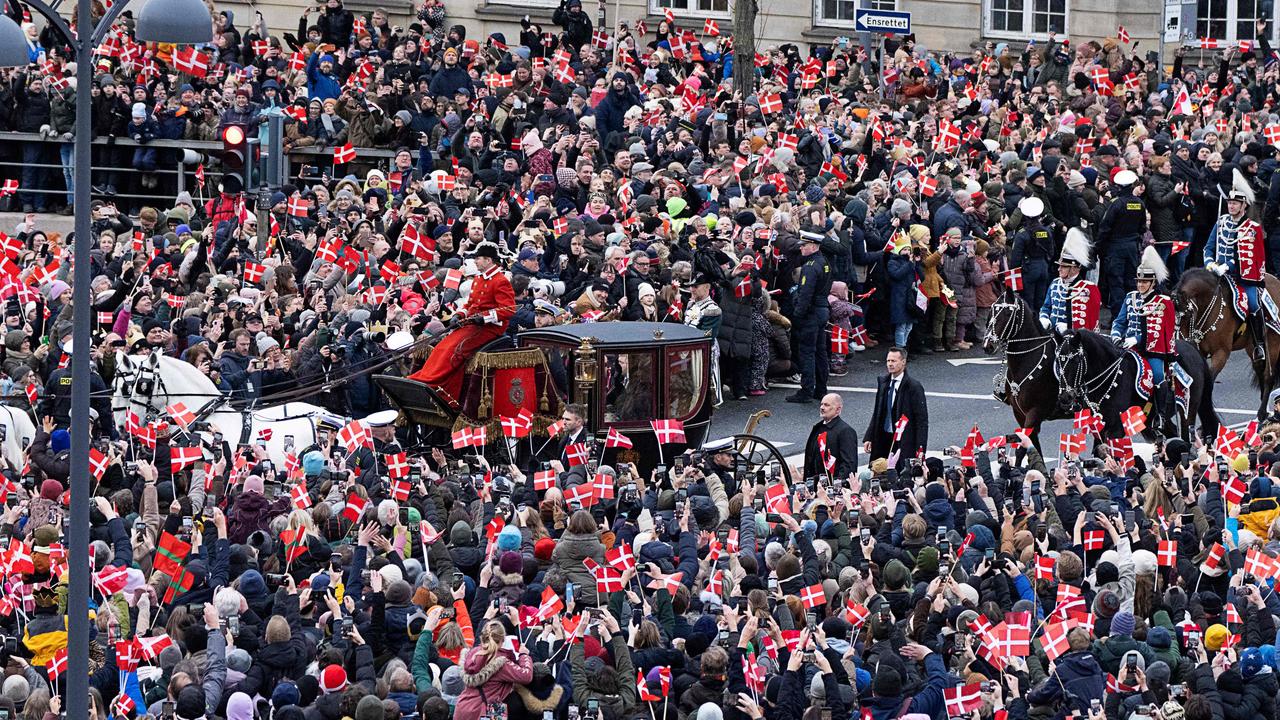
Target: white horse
(19,432)
(172,381)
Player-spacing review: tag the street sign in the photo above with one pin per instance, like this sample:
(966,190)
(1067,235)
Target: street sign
(882,21)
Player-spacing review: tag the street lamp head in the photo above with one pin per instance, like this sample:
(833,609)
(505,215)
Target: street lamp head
(181,22)
(13,44)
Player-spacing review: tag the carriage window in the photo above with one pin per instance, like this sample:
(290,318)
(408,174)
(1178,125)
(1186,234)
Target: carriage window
(628,383)
(560,363)
(684,381)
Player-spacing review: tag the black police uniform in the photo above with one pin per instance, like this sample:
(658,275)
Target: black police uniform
(1032,248)
(1119,236)
(811,313)
(57,400)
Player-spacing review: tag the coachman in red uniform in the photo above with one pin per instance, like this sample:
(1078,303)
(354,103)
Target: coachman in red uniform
(490,305)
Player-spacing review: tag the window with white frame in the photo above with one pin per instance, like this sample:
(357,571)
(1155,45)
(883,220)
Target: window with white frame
(840,12)
(1025,18)
(1232,20)
(699,8)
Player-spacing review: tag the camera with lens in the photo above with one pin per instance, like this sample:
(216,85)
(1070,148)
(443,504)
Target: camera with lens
(373,336)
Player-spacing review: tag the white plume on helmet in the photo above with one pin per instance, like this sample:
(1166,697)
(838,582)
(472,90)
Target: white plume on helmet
(1241,185)
(1153,265)
(1077,248)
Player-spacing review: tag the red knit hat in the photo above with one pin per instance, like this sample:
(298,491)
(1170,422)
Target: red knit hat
(543,548)
(333,679)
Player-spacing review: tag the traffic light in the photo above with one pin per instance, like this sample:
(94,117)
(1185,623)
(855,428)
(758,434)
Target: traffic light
(235,152)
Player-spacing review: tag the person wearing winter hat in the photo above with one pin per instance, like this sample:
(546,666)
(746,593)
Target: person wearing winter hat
(509,539)
(451,684)
(1215,636)
(886,699)
(1172,710)
(543,550)
(1119,641)
(17,689)
(1160,640)
(369,708)
(333,679)
(285,693)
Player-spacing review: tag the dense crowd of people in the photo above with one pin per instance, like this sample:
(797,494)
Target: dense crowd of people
(570,173)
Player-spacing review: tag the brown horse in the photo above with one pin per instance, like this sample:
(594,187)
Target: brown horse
(1206,318)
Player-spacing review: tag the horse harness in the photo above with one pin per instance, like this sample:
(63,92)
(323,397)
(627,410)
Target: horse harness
(1198,325)
(146,385)
(1001,377)
(1105,378)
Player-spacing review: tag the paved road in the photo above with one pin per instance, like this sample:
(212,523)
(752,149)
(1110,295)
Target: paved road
(958,386)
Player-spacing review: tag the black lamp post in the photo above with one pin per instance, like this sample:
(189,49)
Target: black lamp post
(184,22)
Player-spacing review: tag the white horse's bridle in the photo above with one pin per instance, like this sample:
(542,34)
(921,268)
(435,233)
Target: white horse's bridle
(138,383)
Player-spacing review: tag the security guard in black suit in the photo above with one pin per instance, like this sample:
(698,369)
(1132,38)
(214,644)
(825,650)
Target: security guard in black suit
(810,314)
(1119,236)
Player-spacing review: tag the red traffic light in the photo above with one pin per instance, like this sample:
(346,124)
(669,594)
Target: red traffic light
(235,149)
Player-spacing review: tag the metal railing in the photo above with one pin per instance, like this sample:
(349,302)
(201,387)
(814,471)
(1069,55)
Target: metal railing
(178,172)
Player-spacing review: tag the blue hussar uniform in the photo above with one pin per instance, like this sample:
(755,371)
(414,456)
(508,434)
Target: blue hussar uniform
(1071,305)
(1236,247)
(1147,323)
(1073,302)
(811,314)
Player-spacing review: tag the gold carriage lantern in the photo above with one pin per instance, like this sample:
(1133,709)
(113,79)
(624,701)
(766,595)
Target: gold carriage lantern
(585,369)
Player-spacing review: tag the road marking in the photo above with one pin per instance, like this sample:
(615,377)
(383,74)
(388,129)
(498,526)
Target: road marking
(966,396)
(871,390)
(976,361)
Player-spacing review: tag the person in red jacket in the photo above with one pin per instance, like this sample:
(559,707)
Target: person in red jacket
(490,305)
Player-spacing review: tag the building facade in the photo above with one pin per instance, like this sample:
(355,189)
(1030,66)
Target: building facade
(956,25)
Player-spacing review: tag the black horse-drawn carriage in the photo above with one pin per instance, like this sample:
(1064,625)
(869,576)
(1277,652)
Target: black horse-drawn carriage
(626,374)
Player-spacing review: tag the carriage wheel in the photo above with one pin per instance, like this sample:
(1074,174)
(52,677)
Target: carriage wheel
(760,452)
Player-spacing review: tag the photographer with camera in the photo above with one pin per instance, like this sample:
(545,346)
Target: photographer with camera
(325,367)
(574,20)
